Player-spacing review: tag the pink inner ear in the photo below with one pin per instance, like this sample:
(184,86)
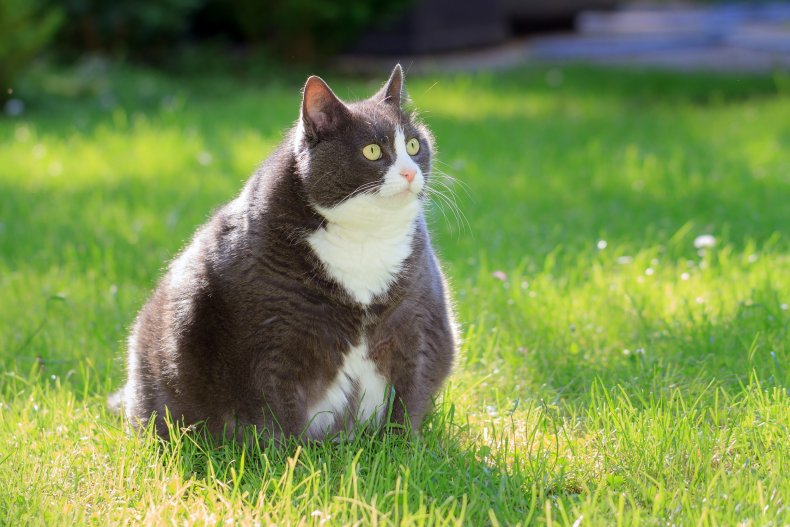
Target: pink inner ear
(317,102)
(316,113)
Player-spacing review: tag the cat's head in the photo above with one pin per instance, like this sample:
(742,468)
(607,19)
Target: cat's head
(371,150)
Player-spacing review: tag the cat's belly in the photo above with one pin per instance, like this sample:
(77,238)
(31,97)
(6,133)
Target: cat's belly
(357,394)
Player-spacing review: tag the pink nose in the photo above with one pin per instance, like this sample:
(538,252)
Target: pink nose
(408,173)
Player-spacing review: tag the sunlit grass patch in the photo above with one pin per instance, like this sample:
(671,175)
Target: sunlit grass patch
(619,258)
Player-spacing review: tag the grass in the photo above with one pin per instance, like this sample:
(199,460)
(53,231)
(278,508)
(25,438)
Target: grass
(610,373)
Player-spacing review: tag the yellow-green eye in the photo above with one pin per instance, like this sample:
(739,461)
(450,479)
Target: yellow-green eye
(413,146)
(372,152)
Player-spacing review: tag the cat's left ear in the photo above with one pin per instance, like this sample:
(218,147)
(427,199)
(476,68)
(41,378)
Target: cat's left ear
(322,111)
(392,92)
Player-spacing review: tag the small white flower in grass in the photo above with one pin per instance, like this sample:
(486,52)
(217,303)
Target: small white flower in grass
(685,276)
(626,352)
(204,158)
(639,351)
(753,258)
(783,307)
(500,275)
(700,300)
(491,410)
(625,260)
(649,271)
(39,151)
(704,241)
(322,515)
(22,134)
(55,168)
(602,244)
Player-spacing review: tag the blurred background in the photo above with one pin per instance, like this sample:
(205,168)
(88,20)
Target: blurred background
(617,240)
(360,35)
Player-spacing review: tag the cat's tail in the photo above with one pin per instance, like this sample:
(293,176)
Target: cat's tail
(114,401)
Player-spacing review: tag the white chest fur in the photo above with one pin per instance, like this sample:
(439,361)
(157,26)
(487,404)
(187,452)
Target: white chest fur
(364,244)
(367,237)
(357,393)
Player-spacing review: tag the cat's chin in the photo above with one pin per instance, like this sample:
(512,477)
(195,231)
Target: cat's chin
(405,199)
(405,195)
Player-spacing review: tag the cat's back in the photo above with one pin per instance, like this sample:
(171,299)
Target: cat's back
(173,319)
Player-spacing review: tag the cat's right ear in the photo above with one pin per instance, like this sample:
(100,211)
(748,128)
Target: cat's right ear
(392,91)
(322,111)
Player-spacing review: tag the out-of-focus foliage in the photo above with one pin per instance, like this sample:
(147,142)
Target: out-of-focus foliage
(308,29)
(289,29)
(142,28)
(26,27)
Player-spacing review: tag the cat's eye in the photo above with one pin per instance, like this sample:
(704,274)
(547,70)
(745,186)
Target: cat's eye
(413,146)
(372,152)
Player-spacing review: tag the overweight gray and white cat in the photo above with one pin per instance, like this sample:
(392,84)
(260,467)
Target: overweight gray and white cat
(313,301)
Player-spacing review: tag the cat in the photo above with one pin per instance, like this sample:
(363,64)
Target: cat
(312,303)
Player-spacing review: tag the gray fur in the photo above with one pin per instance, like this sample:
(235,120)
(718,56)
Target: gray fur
(247,328)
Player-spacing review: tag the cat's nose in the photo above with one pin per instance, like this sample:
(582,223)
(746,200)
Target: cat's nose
(408,173)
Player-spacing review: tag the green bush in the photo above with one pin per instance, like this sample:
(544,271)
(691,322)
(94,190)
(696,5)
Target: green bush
(289,29)
(26,27)
(301,30)
(143,28)
(309,29)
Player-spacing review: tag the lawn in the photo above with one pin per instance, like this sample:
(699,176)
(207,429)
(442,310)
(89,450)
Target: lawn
(611,372)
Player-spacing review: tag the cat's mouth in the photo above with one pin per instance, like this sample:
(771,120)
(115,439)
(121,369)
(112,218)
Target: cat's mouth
(400,192)
(405,193)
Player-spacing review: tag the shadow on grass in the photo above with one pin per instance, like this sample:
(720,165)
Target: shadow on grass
(369,477)
(572,183)
(536,183)
(691,351)
(642,86)
(564,194)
